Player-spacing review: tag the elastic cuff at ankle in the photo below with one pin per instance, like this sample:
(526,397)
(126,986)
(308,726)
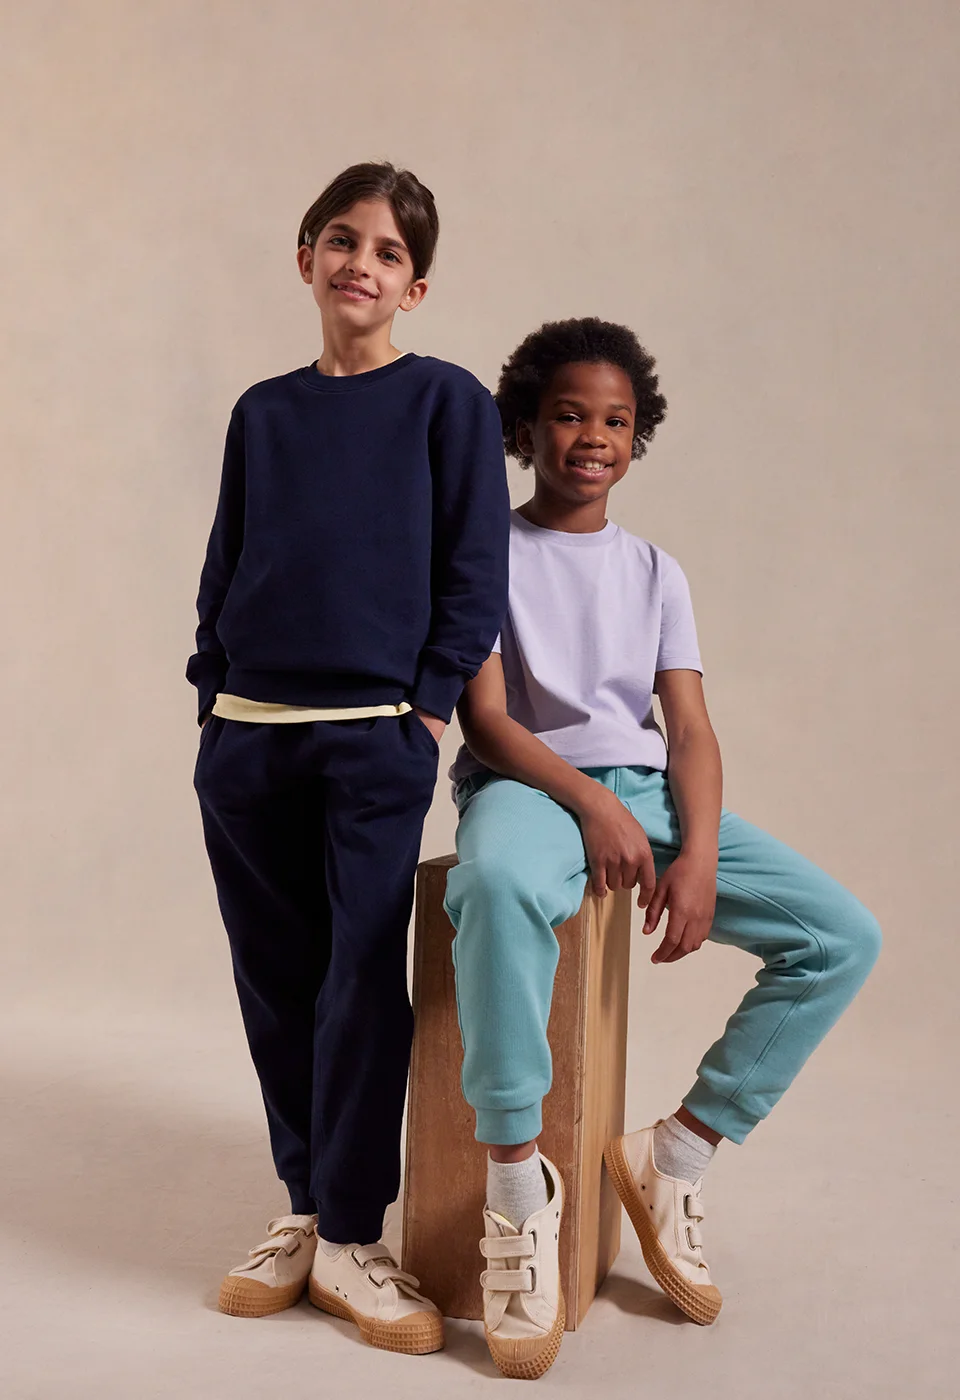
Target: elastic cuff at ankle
(301,1202)
(507,1127)
(349,1225)
(714,1111)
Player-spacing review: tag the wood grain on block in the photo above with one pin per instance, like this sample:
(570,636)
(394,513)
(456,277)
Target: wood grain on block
(445,1175)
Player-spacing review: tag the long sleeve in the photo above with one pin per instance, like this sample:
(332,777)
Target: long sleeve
(207,668)
(470,550)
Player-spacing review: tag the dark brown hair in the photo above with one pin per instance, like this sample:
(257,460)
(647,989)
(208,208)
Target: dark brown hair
(412,204)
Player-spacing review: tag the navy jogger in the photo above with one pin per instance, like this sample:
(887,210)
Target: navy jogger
(313,833)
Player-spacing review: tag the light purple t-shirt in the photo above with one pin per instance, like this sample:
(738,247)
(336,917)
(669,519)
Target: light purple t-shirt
(591,620)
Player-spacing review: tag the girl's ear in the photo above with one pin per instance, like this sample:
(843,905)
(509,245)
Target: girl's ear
(524,438)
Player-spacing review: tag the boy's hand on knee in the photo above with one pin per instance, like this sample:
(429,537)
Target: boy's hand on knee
(618,852)
(688,889)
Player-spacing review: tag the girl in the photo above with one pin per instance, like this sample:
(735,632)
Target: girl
(355,579)
(564,776)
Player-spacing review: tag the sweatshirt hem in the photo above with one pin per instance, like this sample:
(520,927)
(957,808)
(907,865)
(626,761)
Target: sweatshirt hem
(322,690)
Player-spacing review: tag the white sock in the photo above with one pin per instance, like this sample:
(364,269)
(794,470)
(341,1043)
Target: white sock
(516,1189)
(679,1152)
(330,1250)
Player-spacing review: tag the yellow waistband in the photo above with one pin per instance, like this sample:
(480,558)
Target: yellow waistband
(266,712)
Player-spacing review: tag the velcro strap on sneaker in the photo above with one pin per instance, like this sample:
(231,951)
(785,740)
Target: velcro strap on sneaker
(383,1273)
(374,1254)
(284,1223)
(694,1237)
(508,1247)
(692,1207)
(507,1280)
(281,1244)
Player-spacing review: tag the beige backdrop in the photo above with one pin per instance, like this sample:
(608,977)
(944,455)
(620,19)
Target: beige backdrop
(768,194)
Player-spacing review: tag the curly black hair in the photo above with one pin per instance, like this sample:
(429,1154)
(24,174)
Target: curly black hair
(530,368)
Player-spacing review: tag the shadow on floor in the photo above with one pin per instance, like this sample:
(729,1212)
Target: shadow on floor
(139,1190)
(629,1295)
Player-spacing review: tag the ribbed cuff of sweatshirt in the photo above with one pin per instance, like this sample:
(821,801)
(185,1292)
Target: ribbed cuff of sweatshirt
(437,690)
(208,672)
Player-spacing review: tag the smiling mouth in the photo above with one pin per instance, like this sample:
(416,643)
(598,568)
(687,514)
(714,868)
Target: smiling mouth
(354,293)
(588,467)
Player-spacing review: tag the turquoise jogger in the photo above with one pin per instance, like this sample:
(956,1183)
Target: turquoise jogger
(522,871)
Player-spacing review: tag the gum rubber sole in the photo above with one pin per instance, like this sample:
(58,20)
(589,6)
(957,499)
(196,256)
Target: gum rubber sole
(415,1335)
(247,1297)
(528,1358)
(701,1305)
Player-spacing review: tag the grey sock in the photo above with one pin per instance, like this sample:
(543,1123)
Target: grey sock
(516,1189)
(679,1152)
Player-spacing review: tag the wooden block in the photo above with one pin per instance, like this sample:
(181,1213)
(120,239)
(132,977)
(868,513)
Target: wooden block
(445,1175)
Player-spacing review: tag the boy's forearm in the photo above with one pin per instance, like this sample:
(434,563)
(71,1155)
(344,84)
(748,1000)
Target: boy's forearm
(695,777)
(506,747)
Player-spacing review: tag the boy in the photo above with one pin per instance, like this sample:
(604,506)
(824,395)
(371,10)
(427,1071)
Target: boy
(355,579)
(565,774)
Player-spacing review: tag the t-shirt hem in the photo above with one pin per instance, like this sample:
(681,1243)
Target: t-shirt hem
(460,771)
(236,707)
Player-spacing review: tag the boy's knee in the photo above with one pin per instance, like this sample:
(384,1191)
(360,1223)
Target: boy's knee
(853,944)
(492,877)
(868,940)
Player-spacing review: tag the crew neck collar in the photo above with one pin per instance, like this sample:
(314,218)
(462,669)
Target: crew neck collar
(311,377)
(587,540)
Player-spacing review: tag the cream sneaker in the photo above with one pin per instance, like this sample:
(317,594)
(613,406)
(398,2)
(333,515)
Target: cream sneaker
(523,1308)
(666,1214)
(274,1276)
(363,1284)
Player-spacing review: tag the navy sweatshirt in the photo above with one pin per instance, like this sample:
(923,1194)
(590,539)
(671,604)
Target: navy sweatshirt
(359,550)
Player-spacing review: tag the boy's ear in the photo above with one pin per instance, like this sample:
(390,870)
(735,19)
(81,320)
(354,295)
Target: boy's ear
(414,294)
(305,262)
(524,438)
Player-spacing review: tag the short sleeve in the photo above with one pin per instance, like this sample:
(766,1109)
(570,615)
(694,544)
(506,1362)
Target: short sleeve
(678,650)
